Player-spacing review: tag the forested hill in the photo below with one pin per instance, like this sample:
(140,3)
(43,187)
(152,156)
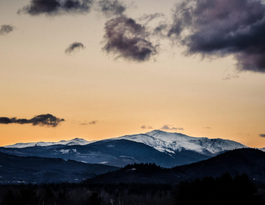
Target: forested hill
(249,161)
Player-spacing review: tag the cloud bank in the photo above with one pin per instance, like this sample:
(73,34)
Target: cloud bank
(127,39)
(218,28)
(6,29)
(42,120)
(55,7)
(74,47)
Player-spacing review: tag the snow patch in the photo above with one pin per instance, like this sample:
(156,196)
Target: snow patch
(103,162)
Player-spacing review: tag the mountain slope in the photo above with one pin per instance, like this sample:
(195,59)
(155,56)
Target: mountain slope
(14,169)
(249,161)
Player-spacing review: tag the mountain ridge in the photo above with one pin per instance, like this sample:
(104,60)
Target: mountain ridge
(160,140)
(163,148)
(75,141)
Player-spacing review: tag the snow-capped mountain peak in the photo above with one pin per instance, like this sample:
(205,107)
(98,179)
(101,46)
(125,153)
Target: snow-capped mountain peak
(175,142)
(76,141)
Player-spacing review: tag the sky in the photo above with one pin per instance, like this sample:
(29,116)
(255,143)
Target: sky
(104,68)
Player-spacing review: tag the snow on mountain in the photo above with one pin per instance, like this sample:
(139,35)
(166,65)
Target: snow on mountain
(76,141)
(174,142)
(160,140)
(262,149)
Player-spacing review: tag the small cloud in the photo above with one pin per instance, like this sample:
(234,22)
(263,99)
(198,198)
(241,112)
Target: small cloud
(111,7)
(74,47)
(6,29)
(177,128)
(207,128)
(169,127)
(42,120)
(129,40)
(146,127)
(57,7)
(165,127)
(92,122)
(89,123)
(262,135)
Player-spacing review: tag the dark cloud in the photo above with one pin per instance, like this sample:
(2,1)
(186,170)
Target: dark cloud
(128,39)
(6,29)
(223,27)
(42,120)
(90,123)
(55,7)
(73,47)
(262,135)
(146,127)
(169,127)
(111,7)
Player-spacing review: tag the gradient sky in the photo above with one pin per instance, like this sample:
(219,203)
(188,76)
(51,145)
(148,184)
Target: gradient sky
(101,96)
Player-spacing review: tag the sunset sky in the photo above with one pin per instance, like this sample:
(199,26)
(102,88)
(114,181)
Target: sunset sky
(111,68)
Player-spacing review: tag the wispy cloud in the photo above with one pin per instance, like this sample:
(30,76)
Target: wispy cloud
(57,7)
(230,76)
(222,27)
(149,17)
(74,47)
(208,128)
(42,120)
(6,29)
(169,127)
(129,40)
(89,123)
(146,127)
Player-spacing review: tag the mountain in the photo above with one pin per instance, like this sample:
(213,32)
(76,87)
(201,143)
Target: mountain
(110,152)
(176,142)
(162,148)
(240,161)
(15,170)
(76,141)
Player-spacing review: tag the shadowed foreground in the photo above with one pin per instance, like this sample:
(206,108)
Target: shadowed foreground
(209,190)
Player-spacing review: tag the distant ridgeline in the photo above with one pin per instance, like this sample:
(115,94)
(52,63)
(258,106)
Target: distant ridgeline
(162,148)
